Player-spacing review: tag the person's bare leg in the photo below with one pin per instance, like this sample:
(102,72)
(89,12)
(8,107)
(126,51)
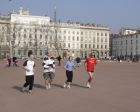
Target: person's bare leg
(49,83)
(46,84)
(90,79)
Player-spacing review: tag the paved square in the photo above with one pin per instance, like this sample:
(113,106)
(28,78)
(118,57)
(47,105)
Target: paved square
(116,89)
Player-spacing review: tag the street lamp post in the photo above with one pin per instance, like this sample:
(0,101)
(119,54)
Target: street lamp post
(55,29)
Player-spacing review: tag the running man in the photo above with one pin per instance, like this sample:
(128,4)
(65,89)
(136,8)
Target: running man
(49,70)
(69,66)
(29,65)
(90,66)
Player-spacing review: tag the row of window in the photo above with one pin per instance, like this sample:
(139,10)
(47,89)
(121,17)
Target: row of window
(59,31)
(60,45)
(65,38)
(20,29)
(128,48)
(84,33)
(126,42)
(93,46)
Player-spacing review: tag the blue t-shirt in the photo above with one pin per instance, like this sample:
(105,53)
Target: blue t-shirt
(69,65)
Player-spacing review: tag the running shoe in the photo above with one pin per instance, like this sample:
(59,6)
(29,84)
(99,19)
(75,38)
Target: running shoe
(69,86)
(88,85)
(47,87)
(65,85)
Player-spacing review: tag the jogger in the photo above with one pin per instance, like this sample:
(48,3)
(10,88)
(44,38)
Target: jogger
(90,66)
(29,65)
(49,70)
(69,66)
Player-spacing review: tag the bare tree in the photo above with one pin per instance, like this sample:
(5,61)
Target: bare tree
(15,37)
(4,24)
(44,29)
(58,41)
(48,30)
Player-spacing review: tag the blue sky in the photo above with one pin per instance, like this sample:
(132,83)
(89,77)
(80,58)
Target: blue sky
(112,13)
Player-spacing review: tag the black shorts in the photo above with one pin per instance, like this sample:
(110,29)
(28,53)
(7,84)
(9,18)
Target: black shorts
(69,75)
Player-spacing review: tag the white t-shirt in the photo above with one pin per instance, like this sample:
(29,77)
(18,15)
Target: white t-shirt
(52,69)
(28,64)
(49,65)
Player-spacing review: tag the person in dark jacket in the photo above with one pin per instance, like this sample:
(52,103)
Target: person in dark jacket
(59,60)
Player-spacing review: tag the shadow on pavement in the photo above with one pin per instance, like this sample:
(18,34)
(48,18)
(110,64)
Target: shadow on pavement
(43,87)
(77,85)
(57,85)
(39,86)
(17,88)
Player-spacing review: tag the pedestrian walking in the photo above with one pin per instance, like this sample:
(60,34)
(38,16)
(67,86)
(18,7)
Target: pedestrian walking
(69,66)
(90,63)
(59,60)
(78,61)
(15,61)
(29,65)
(9,61)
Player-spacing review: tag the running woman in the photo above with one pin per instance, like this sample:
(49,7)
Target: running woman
(29,65)
(69,66)
(49,70)
(90,66)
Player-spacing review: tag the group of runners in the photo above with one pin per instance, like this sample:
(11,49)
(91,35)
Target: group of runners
(49,70)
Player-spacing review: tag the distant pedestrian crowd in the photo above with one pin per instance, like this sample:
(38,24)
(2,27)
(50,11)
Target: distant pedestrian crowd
(12,61)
